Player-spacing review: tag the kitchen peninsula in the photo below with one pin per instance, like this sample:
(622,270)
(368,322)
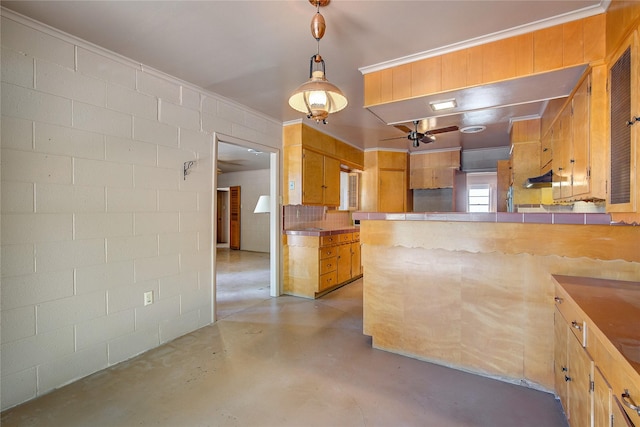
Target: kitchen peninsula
(475,291)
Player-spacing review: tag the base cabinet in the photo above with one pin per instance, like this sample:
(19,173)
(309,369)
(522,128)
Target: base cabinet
(597,385)
(315,265)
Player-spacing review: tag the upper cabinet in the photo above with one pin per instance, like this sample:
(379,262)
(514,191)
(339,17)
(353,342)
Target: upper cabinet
(385,186)
(624,182)
(312,162)
(433,169)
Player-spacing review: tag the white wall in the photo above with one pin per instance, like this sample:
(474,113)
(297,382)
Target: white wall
(95,210)
(254,228)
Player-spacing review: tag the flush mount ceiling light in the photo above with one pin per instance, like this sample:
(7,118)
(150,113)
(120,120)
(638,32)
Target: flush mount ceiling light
(318,98)
(445,104)
(472,129)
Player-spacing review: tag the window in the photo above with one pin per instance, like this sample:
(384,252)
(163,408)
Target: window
(479,198)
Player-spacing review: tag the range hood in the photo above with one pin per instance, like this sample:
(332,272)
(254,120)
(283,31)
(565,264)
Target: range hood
(540,181)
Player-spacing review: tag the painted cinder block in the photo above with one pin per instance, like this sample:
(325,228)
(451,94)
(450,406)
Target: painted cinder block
(56,198)
(174,158)
(128,296)
(195,299)
(16,68)
(194,221)
(17,197)
(21,38)
(130,345)
(190,98)
(71,367)
(21,291)
(155,132)
(151,315)
(177,201)
(101,120)
(52,315)
(18,323)
(197,142)
(32,228)
(17,260)
(107,69)
(96,225)
(52,256)
(155,222)
(130,248)
(36,349)
(69,141)
(99,173)
(18,387)
(156,267)
(230,112)
(104,328)
(66,82)
(180,116)
(173,328)
(29,104)
(174,243)
(212,123)
(102,277)
(16,133)
(132,152)
(131,200)
(35,167)
(131,101)
(175,285)
(157,178)
(159,87)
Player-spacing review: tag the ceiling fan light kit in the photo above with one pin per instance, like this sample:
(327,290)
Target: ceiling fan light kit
(317,97)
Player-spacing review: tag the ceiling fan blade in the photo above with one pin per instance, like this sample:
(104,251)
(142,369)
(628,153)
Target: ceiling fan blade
(441,130)
(395,137)
(403,128)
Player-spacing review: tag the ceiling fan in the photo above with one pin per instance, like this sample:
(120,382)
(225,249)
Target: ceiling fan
(417,137)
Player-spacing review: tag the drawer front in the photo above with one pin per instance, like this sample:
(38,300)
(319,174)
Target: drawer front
(573,317)
(356,236)
(328,280)
(328,240)
(328,252)
(345,238)
(327,265)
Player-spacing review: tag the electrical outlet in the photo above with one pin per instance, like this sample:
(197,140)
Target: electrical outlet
(148,298)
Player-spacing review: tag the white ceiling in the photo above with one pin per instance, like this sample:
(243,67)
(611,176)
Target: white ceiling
(257,52)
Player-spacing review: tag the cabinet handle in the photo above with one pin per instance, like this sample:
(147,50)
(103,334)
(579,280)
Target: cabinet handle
(567,379)
(564,369)
(576,325)
(558,300)
(633,120)
(626,400)
(545,150)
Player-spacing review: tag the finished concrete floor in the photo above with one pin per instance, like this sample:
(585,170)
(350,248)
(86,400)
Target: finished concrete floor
(285,361)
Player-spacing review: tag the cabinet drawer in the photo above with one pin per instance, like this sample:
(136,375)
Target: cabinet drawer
(328,252)
(345,237)
(328,280)
(573,317)
(356,236)
(328,240)
(327,265)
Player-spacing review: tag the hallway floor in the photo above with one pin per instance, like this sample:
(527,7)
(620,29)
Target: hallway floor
(285,362)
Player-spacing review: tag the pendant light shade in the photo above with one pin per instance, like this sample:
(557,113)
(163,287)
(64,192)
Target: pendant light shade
(317,97)
(263,205)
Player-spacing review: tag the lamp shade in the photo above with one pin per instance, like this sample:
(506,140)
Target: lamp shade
(263,205)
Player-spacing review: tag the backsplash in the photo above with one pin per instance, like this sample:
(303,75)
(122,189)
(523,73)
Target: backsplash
(296,217)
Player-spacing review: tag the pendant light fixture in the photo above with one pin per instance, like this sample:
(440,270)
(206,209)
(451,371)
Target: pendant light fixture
(318,98)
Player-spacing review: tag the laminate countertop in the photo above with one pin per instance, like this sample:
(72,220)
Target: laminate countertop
(614,308)
(319,232)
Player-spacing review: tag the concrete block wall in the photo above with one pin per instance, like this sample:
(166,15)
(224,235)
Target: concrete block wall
(95,210)
(254,227)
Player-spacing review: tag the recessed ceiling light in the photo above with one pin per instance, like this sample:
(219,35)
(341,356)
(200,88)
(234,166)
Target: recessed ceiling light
(445,104)
(472,129)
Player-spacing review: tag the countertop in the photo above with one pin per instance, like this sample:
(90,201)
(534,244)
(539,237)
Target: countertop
(501,217)
(313,231)
(614,308)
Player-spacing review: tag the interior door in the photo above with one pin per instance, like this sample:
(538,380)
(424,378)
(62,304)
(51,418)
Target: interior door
(234,209)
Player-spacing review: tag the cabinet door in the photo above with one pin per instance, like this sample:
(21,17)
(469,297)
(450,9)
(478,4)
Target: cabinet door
(560,364)
(344,262)
(391,190)
(312,177)
(580,139)
(331,182)
(356,259)
(578,389)
(601,400)
(443,178)
(619,417)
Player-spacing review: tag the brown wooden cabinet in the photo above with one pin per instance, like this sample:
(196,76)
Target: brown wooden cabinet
(385,186)
(315,265)
(320,179)
(433,170)
(596,384)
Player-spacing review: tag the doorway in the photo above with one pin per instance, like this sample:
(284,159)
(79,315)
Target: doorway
(235,227)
